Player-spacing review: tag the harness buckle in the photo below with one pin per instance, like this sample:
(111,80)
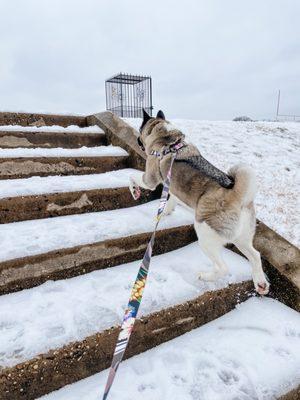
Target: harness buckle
(174,148)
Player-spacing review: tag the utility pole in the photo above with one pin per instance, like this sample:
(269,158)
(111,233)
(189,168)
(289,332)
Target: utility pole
(278,102)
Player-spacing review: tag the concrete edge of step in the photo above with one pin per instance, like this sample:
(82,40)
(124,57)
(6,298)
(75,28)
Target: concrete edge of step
(24,273)
(119,133)
(26,167)
(48,139)
(46,133)
(48,205)
(282,257)
(32,119)
(293,394)
(78,360)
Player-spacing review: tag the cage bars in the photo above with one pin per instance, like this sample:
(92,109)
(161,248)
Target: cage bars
(127,94)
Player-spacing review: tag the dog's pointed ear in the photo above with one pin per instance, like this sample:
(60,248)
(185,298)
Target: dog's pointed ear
(161,115)
(146,116)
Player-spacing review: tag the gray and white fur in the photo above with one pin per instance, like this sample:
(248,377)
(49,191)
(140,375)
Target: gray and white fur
(223,204)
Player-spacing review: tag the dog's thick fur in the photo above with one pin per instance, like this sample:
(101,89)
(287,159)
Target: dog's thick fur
(222,214)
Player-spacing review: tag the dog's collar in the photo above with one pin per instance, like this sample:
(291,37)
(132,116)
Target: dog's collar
(173,148)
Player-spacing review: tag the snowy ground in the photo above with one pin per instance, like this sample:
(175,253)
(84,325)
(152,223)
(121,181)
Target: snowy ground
(25,238)
(62,152)
(248,354)
(252,353)
(53,128)
(60,312)
(270,148)
(58,184)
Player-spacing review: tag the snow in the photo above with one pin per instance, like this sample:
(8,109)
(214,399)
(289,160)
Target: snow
(59,184)
(270,148)
(99,151)
(26,238)
(57,313)
(52,128)
(251,353)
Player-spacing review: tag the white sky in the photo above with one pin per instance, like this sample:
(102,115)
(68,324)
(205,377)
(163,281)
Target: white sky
(212,59)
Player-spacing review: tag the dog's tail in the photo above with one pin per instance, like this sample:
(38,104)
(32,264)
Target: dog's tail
(245,186)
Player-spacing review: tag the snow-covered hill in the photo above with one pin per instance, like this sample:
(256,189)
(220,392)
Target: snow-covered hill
(270,148)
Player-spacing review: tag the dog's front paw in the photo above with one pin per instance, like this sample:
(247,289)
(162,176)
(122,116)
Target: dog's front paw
(261,284)
(134,189)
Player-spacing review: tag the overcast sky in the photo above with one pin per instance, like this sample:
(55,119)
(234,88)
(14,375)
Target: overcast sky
(211,59)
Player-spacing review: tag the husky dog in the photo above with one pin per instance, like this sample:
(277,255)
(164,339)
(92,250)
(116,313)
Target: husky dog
(223,204)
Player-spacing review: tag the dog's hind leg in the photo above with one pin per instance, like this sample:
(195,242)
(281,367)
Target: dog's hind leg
(211,244)
(259,279)
(244,242)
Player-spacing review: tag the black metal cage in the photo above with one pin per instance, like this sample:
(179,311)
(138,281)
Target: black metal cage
(127,95)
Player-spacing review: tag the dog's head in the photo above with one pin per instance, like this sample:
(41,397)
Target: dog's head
(147,125)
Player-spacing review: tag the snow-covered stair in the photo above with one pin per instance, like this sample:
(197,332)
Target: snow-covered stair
(70,250)
(43,197)
(61,184)
(247,354)
(86,309)
(57,248)
(68,328)
(23,163)
(36,250)
(50,136)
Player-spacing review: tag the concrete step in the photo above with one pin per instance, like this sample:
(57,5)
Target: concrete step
(12,168)
(28,119)
(24,208)
(33,252)
(27,272)
(24,163)
(52,196)
(28,238)
(215,360)
(46,139)
(68,328)
(80,359)
(58,332)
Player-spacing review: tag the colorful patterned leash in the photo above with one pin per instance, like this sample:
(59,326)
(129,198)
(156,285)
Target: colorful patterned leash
(137,290)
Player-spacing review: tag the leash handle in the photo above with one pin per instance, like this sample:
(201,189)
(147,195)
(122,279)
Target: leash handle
(137,290)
